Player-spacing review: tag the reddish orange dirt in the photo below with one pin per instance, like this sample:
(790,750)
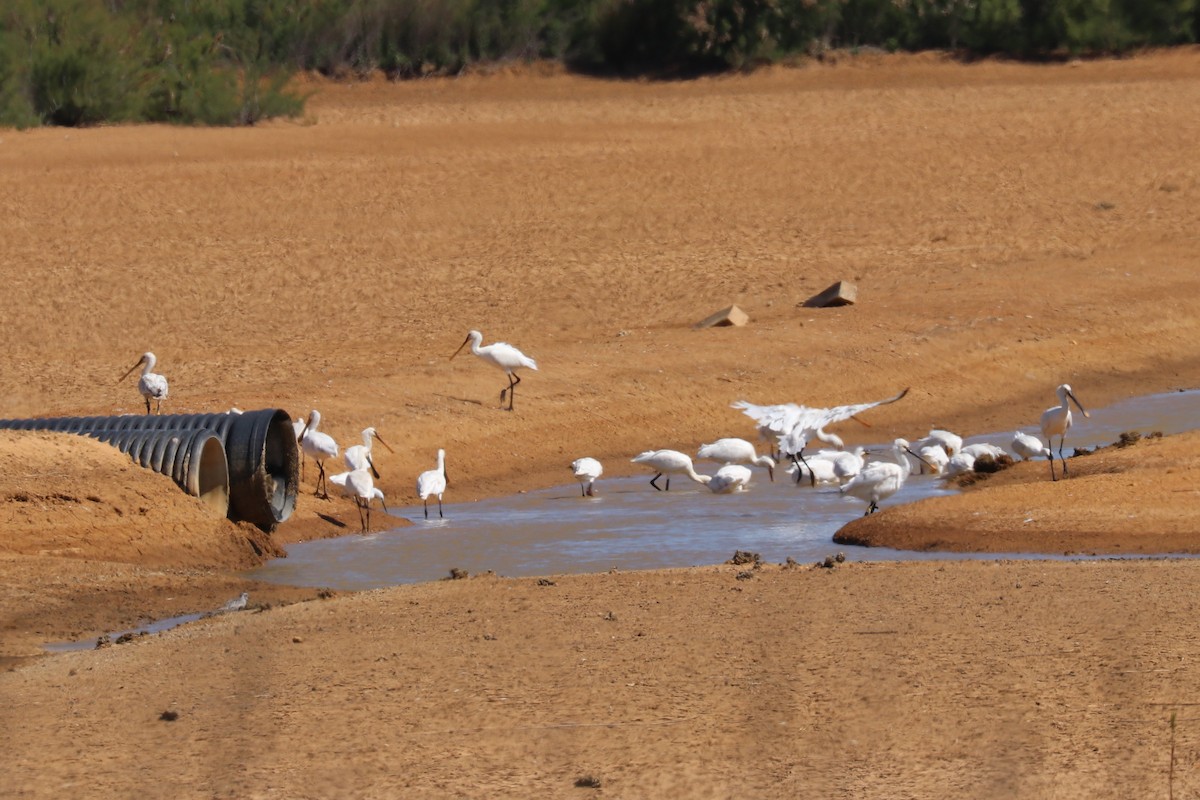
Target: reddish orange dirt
(1009,227)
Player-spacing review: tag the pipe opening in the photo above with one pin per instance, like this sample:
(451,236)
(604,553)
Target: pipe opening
(210,478)
(282,463)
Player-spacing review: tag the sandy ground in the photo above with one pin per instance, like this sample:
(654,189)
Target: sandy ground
(1008,227)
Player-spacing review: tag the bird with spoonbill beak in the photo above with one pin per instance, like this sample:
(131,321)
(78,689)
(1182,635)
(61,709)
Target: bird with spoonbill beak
(361,487)
(669,462)
(796,424)
(359,456)
(151,385)
(736,451)
(500,355)
(879,480)
(433,482)
(318,446)
(586,471)
(1056,421)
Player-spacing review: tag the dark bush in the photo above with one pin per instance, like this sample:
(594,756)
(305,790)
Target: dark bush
(228,62)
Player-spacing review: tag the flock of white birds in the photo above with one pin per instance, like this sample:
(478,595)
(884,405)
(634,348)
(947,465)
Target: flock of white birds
(870,477)
(789,427)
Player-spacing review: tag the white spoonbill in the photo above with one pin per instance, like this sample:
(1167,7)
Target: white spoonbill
(1056,421)
(586,471)
(1027,446)
(820,470)
(845,464)
(318,446)
(361,487)
(835,466)
(959,464)
(794,424)
(359,456)
(729,479)
(151,385)
(984,449)
(935,456)
(339,480)
(669,462)
(736,451)
(502,356)
(433,482)
(950,442)
(878,480)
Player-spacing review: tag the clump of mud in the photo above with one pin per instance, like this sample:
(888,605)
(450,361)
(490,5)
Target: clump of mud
(744,557)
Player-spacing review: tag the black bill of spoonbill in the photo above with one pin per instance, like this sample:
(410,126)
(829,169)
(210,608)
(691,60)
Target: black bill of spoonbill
(318,446)
(794,424)
(502,356)
(669,462)
(359,456)
(586,471)
(879,480)
(1056,421)
(736,451)
(151,385)
(432,482)
(1028,447)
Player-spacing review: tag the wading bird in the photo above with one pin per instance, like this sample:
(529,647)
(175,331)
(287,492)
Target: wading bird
(795,424)
(950,442)
(502,356)
(1027,446)
(736,451)
(318,446)
(236,604)
(361,487)
(433,482)
(359,456)
(586,471)
(879,480)
(151,385)
(669,462)
(1056,421)
(729,479)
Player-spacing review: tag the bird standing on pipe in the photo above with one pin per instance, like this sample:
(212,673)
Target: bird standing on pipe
(151,385)
(502,356)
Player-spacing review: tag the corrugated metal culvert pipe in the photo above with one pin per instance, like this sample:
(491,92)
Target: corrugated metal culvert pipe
(243,465)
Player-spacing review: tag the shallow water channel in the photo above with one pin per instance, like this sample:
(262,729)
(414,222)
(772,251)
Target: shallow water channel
(629,525)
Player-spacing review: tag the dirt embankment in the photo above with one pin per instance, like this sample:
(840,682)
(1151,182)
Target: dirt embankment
(1009,227)
(1141,498)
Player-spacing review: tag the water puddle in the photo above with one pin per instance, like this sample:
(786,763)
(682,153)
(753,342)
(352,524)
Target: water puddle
(158,626)
(631,526)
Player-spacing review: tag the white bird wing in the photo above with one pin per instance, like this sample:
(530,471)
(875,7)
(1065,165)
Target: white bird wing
(154,385)
(780,418)
(430,482)
(840,413)
(359,483)
(510,357)
(787,417)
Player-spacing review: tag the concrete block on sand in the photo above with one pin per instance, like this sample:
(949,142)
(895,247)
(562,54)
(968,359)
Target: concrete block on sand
(729,316)
(842,293)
